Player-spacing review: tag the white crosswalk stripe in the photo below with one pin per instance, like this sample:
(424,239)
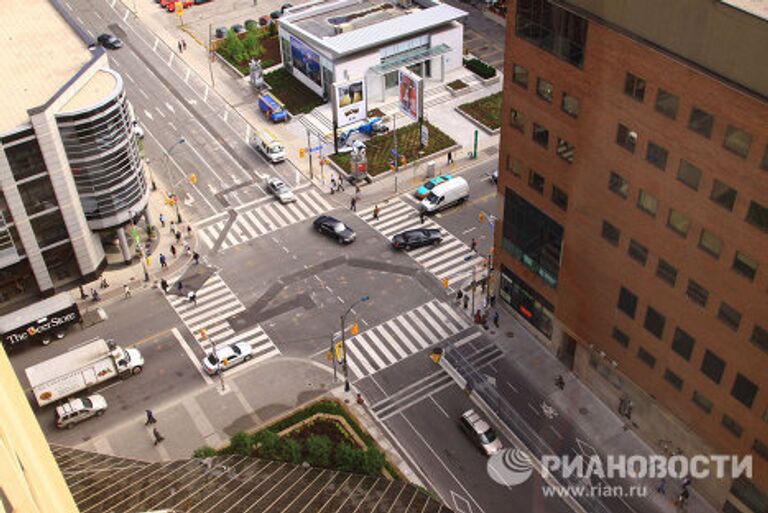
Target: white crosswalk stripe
(383,345)
(446,260)
(258,220)
(215,304)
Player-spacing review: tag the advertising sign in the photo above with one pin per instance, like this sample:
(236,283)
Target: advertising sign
(424,135)
(306,60)
(410,94)
(350,102)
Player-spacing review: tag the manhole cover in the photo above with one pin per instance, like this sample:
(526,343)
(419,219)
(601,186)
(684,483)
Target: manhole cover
(583,410)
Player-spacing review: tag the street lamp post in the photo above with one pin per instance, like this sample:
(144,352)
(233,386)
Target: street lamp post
(343,342)
(181,140)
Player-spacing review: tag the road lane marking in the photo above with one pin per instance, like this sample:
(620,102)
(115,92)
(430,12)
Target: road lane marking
(470,230)
(143,93)
(439,407)
(535,410)
(513,387)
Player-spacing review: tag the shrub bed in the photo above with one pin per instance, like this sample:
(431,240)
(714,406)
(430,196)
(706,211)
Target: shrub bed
(457,85)
(485,110)
(297,97)
(480,68)
(378,149)
(258,43)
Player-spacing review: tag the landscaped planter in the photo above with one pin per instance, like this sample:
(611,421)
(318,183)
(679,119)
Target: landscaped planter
(458,91)
(484,112)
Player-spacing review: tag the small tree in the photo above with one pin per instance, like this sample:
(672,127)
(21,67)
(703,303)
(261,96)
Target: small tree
(233,47)
(373,460)
(252,45)
(318,450)
(348,458)
(268,443)
(290,450)
(272,30)
(205,451)
(241,443)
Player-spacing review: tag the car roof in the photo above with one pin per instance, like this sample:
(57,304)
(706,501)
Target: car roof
(479,425)
(327,219)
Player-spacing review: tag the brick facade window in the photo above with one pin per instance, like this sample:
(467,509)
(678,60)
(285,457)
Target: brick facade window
(689,174)
(667,103)
(737,141)
(701,122)
(570,106)
(520,75)
(634,87)
(626,138)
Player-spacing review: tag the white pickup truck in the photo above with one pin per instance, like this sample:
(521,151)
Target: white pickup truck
(85,366)
(268,144)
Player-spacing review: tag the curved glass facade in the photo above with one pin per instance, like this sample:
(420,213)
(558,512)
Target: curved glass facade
(105,161)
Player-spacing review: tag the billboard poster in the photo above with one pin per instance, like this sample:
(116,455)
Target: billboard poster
(306,60)
(410,94)
(350,102)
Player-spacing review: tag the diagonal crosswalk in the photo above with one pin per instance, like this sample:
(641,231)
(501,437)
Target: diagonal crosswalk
(446,260)
(215,304)
(408,333)
(254,221)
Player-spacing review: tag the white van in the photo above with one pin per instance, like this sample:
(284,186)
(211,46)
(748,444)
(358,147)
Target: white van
(267,143)
(446,194)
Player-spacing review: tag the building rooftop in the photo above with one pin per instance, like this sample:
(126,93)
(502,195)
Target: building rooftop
(97,88)
(347,26)
(40,52)
(757,8)
(235,484)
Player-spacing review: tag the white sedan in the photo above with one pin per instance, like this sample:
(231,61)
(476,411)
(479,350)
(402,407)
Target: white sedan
(280,190)
(225,357)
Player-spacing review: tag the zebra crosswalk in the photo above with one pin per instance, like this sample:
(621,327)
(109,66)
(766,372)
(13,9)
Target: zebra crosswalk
(408,333)
(449,259)
(207,319)
(254,221)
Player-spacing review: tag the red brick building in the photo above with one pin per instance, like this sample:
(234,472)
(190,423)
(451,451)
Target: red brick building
(634,198)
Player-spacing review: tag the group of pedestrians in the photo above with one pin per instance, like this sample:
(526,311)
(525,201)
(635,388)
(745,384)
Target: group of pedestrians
(177,233)
(683,496)
(155,433)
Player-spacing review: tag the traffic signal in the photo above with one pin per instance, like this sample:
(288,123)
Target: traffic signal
(193,178)
(339,347)
(445,283)
(203,334)
(481,216)
(355,329)
(302,153)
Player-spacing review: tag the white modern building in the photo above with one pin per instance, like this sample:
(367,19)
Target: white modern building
(327,41)
(70,172)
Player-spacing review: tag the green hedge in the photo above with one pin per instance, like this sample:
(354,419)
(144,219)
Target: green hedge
(481,68)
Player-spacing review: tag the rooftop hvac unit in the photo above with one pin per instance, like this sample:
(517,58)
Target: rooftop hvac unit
(343,27)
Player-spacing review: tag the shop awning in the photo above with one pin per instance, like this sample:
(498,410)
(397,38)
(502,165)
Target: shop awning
(408,58)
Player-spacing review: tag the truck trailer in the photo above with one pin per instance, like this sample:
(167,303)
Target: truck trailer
(84,366)
(42,321)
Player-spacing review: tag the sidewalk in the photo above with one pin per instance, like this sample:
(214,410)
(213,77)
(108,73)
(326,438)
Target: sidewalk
(607,431)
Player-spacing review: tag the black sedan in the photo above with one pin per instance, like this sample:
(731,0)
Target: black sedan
(109,41)
(334,228)
(417,238)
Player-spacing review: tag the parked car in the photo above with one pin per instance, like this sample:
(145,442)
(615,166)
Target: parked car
(226,357)
(480,432)
(423,191)
(265,20)
(275,14)
(417,238)
(76,410)
(221,32)
(109,41)
(280,190)
(285,7)
(239,29)
(335,229)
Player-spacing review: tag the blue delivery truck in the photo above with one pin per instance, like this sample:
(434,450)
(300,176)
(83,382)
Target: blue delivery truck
(272,108)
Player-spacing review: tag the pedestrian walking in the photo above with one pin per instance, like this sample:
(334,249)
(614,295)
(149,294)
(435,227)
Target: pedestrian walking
(376,212)
(353,204)
(163,262)
(95,294)
(473,245)
(196,257)
(478,317)
(357,190)
(459,296)
(466,301)
(179,286)
(493,300)
(450,157)
(173,227)
(150,418)
(126,291)
(158,437)
(496,319)
(187,249)
(173,250)
(682,498)
(178,235)
(164,285)
(341,184)
(189,231)
(162,220)
(662,488)
(560,382)
(192,297)
(184,44)
(686,482)
(83,295)
(333,185)
(104,284)
(422,215)
(180,48)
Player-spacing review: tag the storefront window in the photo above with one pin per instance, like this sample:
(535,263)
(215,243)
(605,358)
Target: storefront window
(529,303)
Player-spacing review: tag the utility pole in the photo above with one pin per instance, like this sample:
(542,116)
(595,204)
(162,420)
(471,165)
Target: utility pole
(397,155)
(309,148)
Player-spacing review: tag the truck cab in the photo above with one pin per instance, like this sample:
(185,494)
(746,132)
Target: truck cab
(128,361)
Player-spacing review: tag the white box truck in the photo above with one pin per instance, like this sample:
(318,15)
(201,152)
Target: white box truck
(87,365)
(42,321)
(268,144)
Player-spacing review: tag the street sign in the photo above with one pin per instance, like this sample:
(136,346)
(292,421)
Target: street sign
(394,152)
(424,135)
(316,149)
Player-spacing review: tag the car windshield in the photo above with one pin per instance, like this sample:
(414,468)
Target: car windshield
(339,227)
(488,437)
(276,148)
(278,185)
(235,350)
(212,359)
(87,402)
(432,198)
